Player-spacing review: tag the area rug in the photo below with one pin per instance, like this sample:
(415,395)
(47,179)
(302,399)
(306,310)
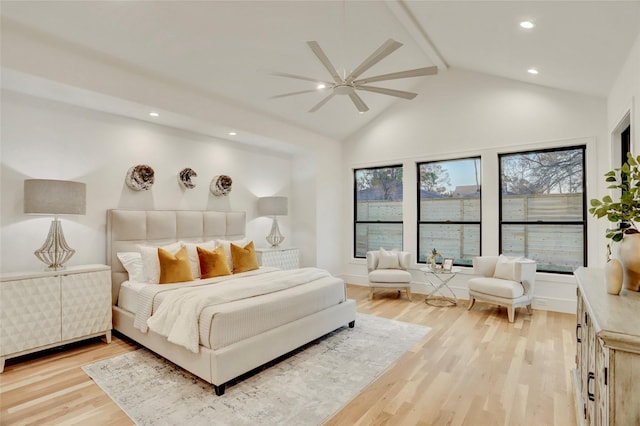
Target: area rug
(305,388)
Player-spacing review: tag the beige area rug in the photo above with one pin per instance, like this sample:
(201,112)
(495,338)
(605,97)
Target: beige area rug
(305,388)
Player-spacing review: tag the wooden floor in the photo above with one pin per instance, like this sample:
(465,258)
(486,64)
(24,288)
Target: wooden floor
(474,368)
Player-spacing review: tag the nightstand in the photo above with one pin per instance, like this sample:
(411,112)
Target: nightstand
(40,310)
(283,258)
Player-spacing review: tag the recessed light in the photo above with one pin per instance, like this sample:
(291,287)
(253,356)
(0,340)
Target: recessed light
(321,86)
(154,114)
(533,71)
(527,25)
(232,133)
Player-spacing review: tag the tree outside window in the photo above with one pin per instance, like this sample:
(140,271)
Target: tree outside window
(542,207)
(449,194)
(378,214)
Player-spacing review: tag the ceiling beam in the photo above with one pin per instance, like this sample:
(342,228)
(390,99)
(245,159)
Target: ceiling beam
(408,20)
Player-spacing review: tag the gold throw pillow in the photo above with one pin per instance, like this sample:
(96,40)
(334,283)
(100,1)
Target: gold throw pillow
(244,258)
(174,268)
(213,263)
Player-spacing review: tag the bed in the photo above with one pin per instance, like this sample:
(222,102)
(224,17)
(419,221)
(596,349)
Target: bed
(236,336)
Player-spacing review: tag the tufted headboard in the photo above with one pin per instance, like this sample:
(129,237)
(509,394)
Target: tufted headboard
(128,228)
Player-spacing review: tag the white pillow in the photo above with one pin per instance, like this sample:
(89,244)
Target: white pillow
(194,260)
(132,262)
(506,268)
(151,263)
(227,248)
(388,259)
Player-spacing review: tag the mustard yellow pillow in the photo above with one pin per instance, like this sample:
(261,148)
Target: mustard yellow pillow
(213,263)
(244,258)
(174,268)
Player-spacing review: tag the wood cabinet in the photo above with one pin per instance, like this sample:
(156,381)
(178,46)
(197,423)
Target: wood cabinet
(283,258)
(39,310)
(607,374)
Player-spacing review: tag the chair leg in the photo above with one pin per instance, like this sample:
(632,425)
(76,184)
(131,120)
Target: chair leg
(529,310)
(471,303)
(370,293)
(511,312)
(409,293)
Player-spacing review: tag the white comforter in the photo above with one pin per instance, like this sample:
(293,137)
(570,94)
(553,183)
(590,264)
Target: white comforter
(177,317)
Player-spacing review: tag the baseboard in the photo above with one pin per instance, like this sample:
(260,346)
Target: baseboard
(553,304)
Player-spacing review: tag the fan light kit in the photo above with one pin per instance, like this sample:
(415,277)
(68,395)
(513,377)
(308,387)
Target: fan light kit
(350,84)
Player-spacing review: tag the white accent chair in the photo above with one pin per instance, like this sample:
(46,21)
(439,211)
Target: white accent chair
(505,281)
(389,278)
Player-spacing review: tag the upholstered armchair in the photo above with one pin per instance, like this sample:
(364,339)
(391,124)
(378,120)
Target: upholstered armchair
(388,270)
(505,281)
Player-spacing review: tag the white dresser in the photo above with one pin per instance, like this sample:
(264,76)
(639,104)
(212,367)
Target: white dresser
(607,374)
(283,258)
(40,310)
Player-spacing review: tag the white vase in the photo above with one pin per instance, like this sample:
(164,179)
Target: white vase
(629,255)
(614,275)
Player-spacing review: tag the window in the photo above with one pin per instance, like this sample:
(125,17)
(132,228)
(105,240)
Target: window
(378,209)
(542,207)
(449,209)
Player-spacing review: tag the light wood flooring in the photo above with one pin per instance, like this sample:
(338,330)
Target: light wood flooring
(473,368)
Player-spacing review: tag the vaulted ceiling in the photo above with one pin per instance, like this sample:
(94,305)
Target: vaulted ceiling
(229,49)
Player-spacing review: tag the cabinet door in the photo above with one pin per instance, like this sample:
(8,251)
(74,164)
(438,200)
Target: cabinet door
(86,304)
(29,314)
(624,384)
(590,388)
(601,385)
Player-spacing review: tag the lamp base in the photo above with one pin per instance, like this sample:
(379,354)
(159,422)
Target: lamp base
(55,251)
(275,238)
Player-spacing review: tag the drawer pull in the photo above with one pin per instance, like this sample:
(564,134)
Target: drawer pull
(591,396)
(578,333)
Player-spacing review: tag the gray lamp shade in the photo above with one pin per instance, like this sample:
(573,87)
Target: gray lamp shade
(272,206)
(46,196)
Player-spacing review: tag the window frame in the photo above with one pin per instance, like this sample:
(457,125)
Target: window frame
(582,223)
(448,222)
(356,222)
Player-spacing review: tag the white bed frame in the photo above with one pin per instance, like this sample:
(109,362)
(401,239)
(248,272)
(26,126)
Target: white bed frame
(128,228)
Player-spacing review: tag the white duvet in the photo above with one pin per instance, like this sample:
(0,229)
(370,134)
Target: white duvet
(177,316)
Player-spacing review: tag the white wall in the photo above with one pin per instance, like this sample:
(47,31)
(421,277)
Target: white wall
(49,140)
(60,71)
(459,114)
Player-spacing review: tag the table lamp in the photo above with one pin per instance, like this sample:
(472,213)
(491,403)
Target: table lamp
(54,197)
(273,206)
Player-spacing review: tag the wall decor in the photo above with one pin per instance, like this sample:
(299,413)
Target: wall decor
(185,176)
(140,177)
(220,185)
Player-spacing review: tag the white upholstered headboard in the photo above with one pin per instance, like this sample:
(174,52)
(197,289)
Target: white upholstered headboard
(128,228)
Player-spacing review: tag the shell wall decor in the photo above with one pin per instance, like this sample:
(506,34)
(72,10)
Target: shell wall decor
(140,177)
(220,185)
(185,176)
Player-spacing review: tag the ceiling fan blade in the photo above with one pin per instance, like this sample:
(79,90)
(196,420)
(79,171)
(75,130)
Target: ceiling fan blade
(300,77)
(322,102)
(390,92)
(418,72)
(284,95)
(387,48)
(315,47)
(358,102)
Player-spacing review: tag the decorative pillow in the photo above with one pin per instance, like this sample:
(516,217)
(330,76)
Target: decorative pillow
(151,263)
(227,248)
(506,268)
(388,259)
(193,255)
(132,262)
(174,268)
(244,258)
(213,263)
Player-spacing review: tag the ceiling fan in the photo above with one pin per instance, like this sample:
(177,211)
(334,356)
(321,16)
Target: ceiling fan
(349,84)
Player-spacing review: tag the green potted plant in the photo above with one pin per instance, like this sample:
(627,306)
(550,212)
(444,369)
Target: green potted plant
(624,212)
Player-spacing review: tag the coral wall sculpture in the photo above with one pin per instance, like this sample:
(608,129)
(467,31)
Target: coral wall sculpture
(185,176)
(140,177)
(220,185)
